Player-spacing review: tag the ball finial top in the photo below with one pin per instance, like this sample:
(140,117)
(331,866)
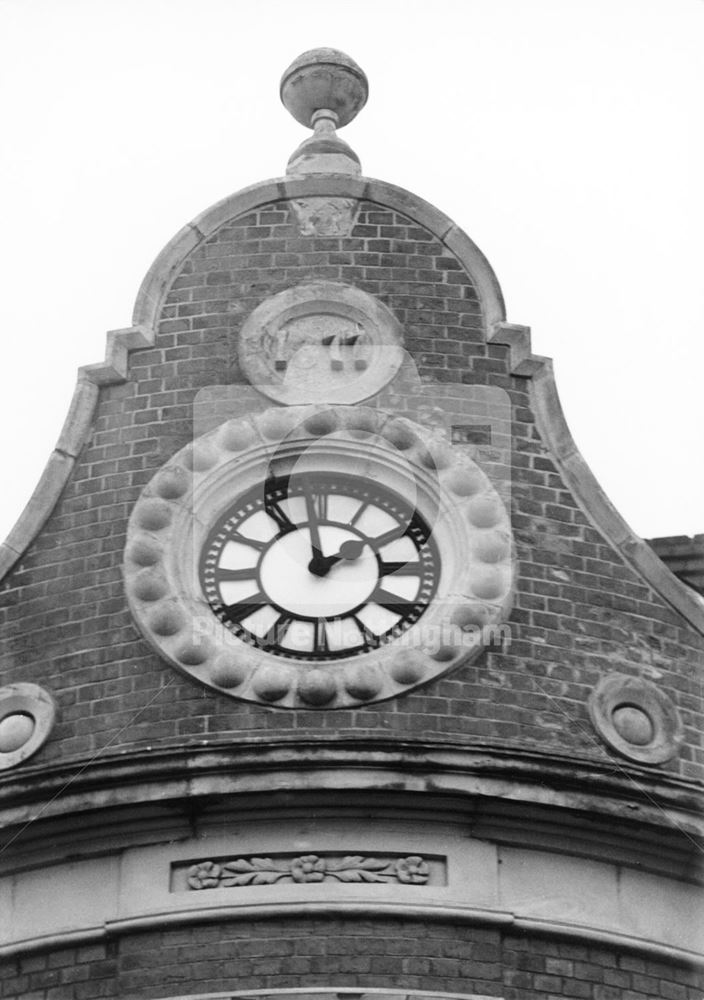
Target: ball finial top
(324,79)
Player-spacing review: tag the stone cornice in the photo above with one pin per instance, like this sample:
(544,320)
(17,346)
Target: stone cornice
(251,767)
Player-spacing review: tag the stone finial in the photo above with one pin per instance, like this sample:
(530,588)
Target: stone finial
(324,90)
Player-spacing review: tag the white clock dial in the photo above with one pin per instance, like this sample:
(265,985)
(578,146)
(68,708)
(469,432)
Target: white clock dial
(319,566)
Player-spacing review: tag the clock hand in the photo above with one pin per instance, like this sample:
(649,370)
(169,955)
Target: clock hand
(313,526)
(352,549)
(349,550)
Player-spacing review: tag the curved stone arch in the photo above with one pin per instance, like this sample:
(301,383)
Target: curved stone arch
(164,268)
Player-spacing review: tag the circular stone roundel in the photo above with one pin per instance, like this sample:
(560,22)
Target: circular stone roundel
(27,715)
(320,342)
(636,719)
(318,557)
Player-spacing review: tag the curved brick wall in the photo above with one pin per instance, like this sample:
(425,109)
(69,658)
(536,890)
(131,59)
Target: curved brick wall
(390,954)
(580,611)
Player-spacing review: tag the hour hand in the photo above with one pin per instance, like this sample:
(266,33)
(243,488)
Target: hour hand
(349,550)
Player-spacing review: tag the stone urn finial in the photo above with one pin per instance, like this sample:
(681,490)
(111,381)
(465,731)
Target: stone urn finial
(324,89)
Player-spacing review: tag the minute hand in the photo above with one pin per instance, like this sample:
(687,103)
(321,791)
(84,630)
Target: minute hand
(313,525)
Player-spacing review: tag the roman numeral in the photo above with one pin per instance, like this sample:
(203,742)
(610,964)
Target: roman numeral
(360,510)
(283,522)
(321,505)
(369,639)
(402,568)
(240,610)
(392,602)
(244,540)
(320,637)
(277,633)
(223,575)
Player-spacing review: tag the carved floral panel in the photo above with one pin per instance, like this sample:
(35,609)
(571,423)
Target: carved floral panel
(309,868)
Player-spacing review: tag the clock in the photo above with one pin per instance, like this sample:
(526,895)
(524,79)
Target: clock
(320,566)
(319,557)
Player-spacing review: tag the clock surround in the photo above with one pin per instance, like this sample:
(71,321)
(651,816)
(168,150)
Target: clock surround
(172,526)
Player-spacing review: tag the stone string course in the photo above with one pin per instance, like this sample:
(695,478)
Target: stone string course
(580,611)
(396,955)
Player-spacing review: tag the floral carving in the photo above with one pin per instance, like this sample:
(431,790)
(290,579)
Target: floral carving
(309,868)
(205,875)
(412,870)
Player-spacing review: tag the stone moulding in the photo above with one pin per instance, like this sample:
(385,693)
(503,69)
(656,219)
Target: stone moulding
(465,915)
(334,993)
(545,399)
(381,766)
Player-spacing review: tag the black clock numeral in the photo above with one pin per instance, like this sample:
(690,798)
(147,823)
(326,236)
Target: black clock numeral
(369,639)
(240,610)
(321,505)
(402,568)
(277,633)
(358,513)
(254,543)
(320,636)
(283,522)
(224,575)
(392,602)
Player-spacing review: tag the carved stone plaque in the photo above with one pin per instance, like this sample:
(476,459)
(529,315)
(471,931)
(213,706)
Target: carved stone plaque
(310,868)
(321,342)
(325,216)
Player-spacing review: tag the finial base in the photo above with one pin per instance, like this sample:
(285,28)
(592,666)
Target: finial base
(324,153)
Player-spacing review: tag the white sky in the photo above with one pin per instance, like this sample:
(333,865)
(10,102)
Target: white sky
(565,136)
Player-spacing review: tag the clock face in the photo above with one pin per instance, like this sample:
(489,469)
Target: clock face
(319,566)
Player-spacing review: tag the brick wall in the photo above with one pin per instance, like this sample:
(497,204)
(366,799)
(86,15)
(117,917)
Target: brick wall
(579,611)
(390,954)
